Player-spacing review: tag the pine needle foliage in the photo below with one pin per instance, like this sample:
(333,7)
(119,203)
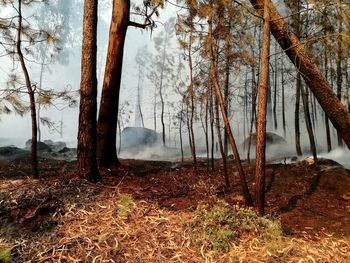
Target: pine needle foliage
(5,255)
(220,225)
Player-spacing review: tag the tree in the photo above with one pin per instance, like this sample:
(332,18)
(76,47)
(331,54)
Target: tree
(18,41)
(261,120)
(162,73)
(30,92)
(312,75)
(87,162)
(108,114)
(221,103)
(185,29)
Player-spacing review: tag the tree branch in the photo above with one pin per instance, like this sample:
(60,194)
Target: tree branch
(135,24)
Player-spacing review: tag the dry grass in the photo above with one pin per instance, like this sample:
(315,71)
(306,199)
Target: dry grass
(93,229)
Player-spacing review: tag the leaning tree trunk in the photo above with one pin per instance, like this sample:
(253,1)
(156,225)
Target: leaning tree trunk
(34,154)
(312,75)
(108,114)
(245,190)
(86,153)
(261,120)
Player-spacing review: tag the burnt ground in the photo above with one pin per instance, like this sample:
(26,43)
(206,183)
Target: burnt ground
(39,217)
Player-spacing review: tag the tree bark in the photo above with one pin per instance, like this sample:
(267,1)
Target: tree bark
(312,75)
(108,114)
(261,120)
(86,153)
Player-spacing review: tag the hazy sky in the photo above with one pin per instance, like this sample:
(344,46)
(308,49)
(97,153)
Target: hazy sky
(14,126)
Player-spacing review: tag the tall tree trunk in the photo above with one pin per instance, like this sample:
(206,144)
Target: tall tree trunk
(312,75)
(34,154)
(328,132)
(245,190)
(297,25)
(347,79)
(138,108)
(261,121)
(283,103)
(39,104)
(155,109)
(227,83)
(188,125)
(253,115)
(86,153)
(297,115)
(161,90)
(211,115)
(245,106)
(180,128)
(304,96)
(222,150)
(191,93)
(162,115)
(120,136)
(206,128)
(275,80)
(339,78)
(108,114)
(269,113)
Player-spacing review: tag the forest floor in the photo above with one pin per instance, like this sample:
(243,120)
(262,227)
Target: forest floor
(143,211)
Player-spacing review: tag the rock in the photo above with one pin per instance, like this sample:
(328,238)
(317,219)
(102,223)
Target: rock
(10,151)
(49,142)
(271,139)
(64,150)
(41,146)
(136,137)
(55,146)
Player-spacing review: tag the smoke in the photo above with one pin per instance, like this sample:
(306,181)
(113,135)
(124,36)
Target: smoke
(340,155)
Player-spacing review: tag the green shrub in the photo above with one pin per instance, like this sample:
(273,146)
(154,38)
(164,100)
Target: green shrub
(218,226)
(5,255)
(126,205)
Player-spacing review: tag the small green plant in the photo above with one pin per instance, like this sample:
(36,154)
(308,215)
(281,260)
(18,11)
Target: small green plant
(218,226)
(126,205)
(5,255)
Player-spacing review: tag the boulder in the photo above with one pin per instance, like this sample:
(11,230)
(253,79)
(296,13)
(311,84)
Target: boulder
(272,139)
(10,151)
(56,146)
(41,146)
(137,137)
